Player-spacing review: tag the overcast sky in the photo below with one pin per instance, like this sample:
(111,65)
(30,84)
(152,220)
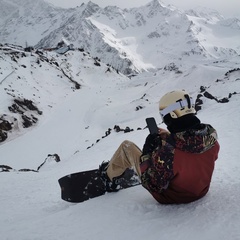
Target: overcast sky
(228,8)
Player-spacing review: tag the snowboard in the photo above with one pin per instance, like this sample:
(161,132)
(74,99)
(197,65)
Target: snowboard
(82,186)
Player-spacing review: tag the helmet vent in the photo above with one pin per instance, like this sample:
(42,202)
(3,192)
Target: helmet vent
(188,100)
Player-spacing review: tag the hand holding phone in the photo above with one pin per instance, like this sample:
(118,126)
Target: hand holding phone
(152,125)
(153,139)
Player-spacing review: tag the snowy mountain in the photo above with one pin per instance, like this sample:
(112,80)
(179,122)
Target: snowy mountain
(65,106)
(119,36)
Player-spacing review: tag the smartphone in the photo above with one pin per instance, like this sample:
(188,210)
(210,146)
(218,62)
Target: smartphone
(152,125)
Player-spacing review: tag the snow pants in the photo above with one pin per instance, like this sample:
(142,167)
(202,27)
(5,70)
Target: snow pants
(127,155)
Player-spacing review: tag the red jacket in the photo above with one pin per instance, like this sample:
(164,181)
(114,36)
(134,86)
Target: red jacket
(192,176)
(180,170)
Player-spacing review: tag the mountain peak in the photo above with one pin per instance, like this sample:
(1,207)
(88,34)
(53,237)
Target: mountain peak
(155,7)
(88,9)
(93,5)
(156,4)
(120,37)
(203,12)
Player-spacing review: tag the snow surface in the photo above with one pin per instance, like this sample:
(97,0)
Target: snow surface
(31,207)
(73,120)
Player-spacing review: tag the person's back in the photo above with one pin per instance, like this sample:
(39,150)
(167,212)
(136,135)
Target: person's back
(182,161)
(192,173)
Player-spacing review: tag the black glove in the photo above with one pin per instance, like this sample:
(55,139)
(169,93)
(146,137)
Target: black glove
(151,143)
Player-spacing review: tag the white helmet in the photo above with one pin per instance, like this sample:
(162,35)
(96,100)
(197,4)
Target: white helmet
(177,104)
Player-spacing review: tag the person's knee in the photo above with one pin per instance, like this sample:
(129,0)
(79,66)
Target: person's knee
(127,143)
(129,146)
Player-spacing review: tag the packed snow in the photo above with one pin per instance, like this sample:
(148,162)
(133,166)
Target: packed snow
(31,205)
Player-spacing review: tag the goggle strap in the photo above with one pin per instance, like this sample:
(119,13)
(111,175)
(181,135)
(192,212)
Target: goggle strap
(177,105)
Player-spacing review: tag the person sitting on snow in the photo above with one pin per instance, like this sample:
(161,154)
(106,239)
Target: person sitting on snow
(175,166)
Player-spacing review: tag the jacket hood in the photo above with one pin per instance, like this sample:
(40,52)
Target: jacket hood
(196,140)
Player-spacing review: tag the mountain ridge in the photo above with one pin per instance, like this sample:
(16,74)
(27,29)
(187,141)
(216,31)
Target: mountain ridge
(117,36)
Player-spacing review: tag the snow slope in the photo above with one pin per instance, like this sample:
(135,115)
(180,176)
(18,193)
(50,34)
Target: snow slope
(73,120)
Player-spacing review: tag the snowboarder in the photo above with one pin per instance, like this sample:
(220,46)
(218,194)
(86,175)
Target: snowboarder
(175,166)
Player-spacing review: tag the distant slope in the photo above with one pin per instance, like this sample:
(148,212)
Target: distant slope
(131,40)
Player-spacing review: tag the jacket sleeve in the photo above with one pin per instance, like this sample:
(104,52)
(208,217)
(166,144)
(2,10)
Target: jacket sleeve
(157,168)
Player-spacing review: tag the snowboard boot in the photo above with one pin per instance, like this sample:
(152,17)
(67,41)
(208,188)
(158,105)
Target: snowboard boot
(111,186)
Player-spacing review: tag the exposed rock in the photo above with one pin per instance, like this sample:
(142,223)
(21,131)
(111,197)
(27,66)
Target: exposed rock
(50,158)
(27,170)
(198,102)
(207,94)
(5,168)
(3,136)
(5,125)
(27,110)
